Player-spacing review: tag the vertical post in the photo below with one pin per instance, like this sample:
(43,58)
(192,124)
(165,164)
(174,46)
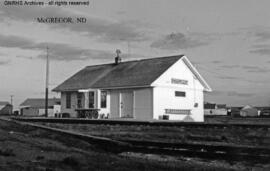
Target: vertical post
(128,43)
(86,100)
(47,83)
(11,102)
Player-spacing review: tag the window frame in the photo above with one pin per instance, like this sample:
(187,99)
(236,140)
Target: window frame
(101,99)
(79,100)
(68,100)
(180,94)
(90,92)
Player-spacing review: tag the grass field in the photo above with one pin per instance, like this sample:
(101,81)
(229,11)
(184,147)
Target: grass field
(30,149)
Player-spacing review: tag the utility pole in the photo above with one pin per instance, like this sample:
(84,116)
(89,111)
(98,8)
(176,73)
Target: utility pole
(47,83)
(11,99)
(11,102)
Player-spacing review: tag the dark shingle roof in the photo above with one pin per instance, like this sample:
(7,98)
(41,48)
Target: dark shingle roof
(3,103)
(125,74)
(36,102)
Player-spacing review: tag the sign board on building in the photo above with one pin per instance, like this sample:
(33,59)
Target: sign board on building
(179,81)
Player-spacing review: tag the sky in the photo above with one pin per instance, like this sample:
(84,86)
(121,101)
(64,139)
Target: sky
(228,41)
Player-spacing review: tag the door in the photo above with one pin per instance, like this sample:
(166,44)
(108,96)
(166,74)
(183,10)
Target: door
(126,104)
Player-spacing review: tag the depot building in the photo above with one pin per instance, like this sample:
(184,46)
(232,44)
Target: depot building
(160,88)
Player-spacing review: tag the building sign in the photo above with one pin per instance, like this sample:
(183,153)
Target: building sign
(179,81)
(178,111)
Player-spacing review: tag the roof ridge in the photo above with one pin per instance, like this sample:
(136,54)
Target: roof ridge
(43,98)
(137,60)
(128,73)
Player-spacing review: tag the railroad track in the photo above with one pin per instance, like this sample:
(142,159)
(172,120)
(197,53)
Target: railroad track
(212,152)
(148,123)
(230,153)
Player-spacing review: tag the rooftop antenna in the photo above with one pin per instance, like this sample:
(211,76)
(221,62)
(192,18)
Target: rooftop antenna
(47,83)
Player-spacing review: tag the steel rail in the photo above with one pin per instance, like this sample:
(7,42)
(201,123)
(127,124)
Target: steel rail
(134,122)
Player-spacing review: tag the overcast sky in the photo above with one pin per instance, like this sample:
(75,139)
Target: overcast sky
(227,40)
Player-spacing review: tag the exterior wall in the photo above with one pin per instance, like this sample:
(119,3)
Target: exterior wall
(29,111)
(249,112)
(215,111)
(114,104)
(164,98)
(164,94)
(71,111)
(42,112)
(143,104)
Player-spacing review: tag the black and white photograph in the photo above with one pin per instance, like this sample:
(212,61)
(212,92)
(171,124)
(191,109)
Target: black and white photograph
(135,85)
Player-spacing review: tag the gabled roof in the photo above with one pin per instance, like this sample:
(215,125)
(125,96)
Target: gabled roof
(196,74)
(126,74)
(221,106)
(248,107)
(38,102)
(3,103)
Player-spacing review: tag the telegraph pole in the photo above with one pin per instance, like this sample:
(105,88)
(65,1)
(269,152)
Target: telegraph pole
(11,102)
(11,99)
(47,83)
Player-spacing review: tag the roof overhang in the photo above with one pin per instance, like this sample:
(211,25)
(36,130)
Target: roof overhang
(123,87)
(207,88)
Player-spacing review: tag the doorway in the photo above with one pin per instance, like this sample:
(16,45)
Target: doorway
(126,104)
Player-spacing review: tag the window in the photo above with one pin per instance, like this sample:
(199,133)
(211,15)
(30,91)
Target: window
(180,94)
(91,99)
(68,100)
(79,100)
(103,101)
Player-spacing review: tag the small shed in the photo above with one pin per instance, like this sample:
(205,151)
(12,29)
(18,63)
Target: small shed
(249,111)
(5,108)
(36,107)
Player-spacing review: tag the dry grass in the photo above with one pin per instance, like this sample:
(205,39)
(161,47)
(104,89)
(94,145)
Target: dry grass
(27,148)
(232,135)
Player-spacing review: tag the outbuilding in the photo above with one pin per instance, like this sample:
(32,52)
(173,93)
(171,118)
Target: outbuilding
(249,111)
(215,109)
(5,108)
(36,107)
(155,88)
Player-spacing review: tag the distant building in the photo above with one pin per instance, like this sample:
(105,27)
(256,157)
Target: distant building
(235,110)
(157,88)
(215,109)
(249,111)
(264,111)
(5,108)
(36,107)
